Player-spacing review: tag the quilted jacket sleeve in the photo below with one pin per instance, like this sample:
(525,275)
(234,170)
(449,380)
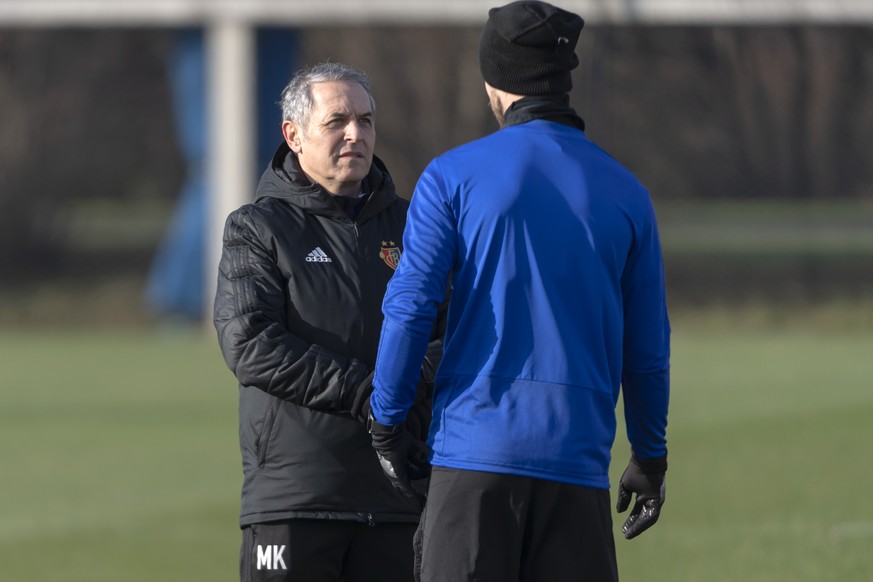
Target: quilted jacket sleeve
(254,339)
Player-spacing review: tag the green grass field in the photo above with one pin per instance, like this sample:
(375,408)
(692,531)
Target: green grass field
(120,461)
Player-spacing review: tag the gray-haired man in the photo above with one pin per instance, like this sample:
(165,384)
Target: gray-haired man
(298,313)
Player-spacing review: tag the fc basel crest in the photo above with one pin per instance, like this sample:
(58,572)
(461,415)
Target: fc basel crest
(390,254)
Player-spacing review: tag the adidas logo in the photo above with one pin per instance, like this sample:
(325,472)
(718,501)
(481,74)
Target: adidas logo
(318,256)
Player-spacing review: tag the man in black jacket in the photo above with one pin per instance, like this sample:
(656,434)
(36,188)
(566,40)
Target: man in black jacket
(298,314)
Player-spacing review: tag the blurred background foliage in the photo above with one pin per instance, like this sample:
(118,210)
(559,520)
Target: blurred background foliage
(755,142)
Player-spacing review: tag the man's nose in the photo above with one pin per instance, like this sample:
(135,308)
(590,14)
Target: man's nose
(353,131)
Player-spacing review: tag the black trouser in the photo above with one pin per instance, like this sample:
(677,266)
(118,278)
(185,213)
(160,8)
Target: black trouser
(489,527)
(326,550)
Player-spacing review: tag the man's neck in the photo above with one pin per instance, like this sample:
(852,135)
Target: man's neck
(507,99)
(345,189)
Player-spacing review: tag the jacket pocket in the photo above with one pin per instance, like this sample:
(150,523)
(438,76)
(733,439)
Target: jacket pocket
(263,441)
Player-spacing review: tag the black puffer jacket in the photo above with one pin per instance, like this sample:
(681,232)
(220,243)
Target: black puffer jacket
(298,314)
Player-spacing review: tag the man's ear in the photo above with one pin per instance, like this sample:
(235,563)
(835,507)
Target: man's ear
(292,135)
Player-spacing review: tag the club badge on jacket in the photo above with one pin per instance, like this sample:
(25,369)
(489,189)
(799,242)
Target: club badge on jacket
(390,254)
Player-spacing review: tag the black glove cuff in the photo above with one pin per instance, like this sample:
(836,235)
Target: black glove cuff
(656,465)
(374,426)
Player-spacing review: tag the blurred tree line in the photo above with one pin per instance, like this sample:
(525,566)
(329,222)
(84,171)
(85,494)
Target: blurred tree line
(695,112)
(86,123)
(698,113)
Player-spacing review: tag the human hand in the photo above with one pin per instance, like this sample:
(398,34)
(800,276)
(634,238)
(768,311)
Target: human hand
(402,458)
(645,477)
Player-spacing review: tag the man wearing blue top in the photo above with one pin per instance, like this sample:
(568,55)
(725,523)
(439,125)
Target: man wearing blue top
(558,302)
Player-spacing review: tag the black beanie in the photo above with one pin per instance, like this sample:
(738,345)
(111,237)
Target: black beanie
(528,48)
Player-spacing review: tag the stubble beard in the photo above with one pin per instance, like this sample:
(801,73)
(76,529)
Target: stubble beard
(496,109)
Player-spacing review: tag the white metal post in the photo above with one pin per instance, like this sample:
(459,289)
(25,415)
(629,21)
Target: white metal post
(230,100)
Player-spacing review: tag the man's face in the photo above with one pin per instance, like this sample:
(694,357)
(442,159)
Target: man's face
(335,149)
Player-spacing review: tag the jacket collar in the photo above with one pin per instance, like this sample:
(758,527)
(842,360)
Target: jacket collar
(547,107)
(284,179)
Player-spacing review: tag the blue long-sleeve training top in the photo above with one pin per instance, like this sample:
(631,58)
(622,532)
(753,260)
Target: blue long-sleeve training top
(558,303)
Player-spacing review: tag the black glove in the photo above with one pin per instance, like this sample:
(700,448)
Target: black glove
(403,459)
(359,407)
(645,477)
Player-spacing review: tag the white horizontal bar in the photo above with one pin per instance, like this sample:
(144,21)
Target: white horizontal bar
(310,12)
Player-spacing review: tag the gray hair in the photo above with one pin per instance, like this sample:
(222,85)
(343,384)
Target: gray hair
(296,100)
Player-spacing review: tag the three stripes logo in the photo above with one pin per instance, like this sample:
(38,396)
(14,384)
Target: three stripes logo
(389,253)
(318,256)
